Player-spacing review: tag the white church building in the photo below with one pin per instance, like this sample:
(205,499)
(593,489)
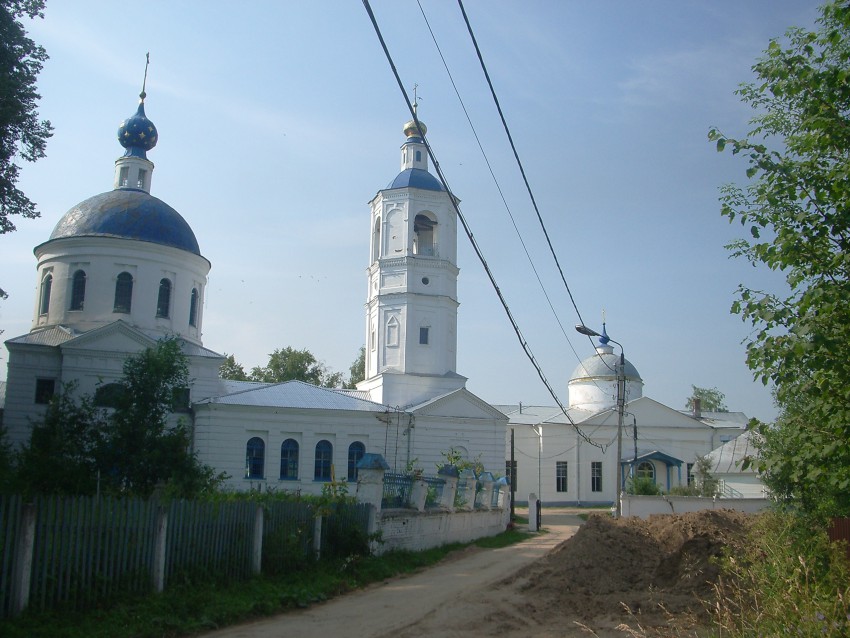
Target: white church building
(569,456)
(123,269)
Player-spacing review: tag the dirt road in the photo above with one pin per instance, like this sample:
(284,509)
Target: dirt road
(459,597)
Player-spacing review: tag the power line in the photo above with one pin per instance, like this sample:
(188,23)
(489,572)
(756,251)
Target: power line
(523,343)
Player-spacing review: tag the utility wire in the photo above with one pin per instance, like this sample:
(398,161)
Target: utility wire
(526,348)
(522,172)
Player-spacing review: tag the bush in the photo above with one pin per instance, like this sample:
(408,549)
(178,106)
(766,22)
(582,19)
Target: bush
(786,579)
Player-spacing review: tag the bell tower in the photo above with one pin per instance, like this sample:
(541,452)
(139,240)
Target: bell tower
(411,308)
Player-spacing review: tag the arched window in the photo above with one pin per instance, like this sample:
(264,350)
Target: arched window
(324,458)
(645,470)
(193,308)
(376,240)
(392,331)
(423,236)
(255,458)
(163,301)
(44,297)
(289,460)
(109,395)
(78,290)
(355,452)
(123,293)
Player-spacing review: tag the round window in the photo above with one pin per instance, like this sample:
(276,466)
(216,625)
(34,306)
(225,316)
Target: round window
(425,280)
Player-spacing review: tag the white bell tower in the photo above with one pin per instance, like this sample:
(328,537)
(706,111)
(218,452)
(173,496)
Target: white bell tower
(411,309)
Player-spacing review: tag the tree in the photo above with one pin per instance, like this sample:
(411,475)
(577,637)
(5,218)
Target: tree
(357,371)
(142,451)
(289,364)
(61,455)
(21,132)
(232,370)
(711,399)
(797,211)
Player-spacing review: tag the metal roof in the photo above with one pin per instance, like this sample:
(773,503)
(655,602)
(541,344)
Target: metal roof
(53,336)
(296,394)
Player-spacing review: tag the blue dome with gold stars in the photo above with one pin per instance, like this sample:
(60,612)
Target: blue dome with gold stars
(137,134)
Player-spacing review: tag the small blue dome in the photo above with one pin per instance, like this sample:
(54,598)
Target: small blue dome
(128,214)
(137,134)
(416,178)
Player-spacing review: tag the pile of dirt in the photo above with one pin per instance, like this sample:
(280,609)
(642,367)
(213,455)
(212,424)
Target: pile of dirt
(632,570)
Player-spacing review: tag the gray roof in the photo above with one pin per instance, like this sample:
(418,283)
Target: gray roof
(729,456)
(54,336)
(296,394)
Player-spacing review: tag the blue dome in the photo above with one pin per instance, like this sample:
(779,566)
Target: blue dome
(128,214)
(137,134)
(416,178)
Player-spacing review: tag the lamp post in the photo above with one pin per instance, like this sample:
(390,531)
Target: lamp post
(621,400)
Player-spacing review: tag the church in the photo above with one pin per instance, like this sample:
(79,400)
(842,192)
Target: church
(123,269)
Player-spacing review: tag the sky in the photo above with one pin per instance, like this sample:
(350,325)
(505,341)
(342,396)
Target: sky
(280,120)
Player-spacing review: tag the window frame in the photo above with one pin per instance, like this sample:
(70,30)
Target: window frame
(45,389)
(44,294)
(355,452)
(323,460)
(123,289)
(561,478)
(596,476)
(163,298)
(255,456)
(193,307)
(289,466)
(78,291)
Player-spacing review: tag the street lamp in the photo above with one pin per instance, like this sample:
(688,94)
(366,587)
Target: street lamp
(621,400)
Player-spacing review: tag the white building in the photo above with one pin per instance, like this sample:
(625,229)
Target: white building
(569,457)
(123,269)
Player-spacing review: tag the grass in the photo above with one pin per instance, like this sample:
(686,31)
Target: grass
(190,608)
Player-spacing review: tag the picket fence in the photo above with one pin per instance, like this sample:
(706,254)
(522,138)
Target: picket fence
(87,549)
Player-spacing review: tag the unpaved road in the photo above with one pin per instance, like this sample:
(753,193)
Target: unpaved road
(454,598)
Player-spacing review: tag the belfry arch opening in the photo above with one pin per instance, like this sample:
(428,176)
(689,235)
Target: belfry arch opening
(424,235)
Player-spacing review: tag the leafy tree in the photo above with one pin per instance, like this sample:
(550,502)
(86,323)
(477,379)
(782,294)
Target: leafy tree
(232,370)
(7,462)
(61,455)
(289,364)
(357,371)
(711,399)
(797,211)
(22,134)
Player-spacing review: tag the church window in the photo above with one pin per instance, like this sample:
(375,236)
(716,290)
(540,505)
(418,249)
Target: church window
(289,460)
(255,458)
(355,452)
(376,240)
(163,301)
(645,470)
(690,473)
(423,335)
(596,476)
(78,290)
(392,332)
(123,293)
(423,236)
(373,339)
(193,308)
(141,181)
(124,176)
(418,156)
(181,399)
(44,297)
(44,390)
(324,456)
(561,476)
(109,395)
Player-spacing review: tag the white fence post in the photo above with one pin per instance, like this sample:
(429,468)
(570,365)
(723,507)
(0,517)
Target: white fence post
(159,549)
(22,568)
(370,479)
(257,549)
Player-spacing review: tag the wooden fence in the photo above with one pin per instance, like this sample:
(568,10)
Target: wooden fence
(76,551)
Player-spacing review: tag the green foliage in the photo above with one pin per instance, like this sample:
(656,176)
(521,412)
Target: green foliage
(796,210)
(22,134)
(289,364)
(357,371)
(61,456)
(707,485)
(232,370)
(642,486)
(7,463)
(711,399)
(786,579)
(455,457)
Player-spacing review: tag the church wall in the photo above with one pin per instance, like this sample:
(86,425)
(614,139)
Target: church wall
(26,365)
(103,259)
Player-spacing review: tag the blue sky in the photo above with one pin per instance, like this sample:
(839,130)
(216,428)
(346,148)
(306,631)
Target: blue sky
(280,120)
